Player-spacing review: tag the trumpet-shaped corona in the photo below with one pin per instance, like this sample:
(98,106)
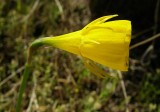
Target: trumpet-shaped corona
(106,43)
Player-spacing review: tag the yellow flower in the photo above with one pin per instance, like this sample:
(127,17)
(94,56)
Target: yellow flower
(102,41)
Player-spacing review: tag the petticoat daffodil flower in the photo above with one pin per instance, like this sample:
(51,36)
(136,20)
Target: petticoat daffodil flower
(106,43)
(101,41)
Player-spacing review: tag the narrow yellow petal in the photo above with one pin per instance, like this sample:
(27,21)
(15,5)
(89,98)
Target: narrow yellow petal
(95,69)
(99,20)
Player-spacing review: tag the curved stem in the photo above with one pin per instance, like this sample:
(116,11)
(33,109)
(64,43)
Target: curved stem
(34,46)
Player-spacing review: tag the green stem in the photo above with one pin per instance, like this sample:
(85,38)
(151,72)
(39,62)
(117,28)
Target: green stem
(34,46)
(23,86)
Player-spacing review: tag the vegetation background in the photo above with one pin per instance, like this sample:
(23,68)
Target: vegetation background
(59,81)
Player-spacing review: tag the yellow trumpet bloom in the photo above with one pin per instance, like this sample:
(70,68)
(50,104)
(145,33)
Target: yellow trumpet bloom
(102,41)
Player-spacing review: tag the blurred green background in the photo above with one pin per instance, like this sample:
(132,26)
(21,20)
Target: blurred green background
(59,81)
